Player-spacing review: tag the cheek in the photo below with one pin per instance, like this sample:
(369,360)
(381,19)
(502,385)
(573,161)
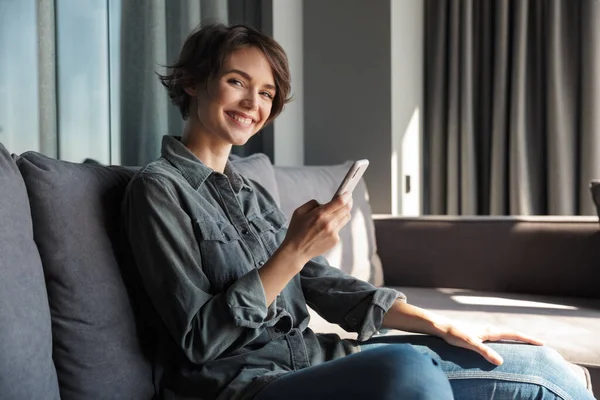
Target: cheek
(266,112)
(207,111)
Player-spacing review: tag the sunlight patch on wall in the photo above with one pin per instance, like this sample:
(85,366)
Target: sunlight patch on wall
(411,166)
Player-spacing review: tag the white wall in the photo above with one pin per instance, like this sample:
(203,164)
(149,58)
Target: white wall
(289,126)
(407,47)
(347,89)
(358,85)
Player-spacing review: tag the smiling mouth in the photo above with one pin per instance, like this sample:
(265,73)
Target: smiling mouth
(240,119)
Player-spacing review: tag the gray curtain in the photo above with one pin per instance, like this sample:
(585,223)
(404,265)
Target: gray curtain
(152,33)
(511,90)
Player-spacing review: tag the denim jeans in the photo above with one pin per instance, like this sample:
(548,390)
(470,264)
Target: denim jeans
(393,372)
(388,368)
(528,372)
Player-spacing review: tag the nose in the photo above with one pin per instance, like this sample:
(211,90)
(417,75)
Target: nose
(250,101)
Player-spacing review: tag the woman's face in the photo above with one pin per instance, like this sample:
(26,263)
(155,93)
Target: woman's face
(239,101)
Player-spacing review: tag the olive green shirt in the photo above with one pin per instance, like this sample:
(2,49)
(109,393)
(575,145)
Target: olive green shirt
(199,238)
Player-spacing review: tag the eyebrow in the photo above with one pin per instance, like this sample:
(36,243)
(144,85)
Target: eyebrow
(248,77)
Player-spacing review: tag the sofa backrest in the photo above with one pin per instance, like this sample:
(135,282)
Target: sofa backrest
(545,255)
(26,367)
(75,211)
(98,348)
(356,252)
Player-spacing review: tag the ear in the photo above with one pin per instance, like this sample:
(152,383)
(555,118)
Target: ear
(191,90)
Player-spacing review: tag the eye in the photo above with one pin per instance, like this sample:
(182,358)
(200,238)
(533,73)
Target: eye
(235,82)
(267,95)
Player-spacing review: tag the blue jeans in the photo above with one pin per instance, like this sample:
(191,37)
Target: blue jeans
(384,369)
(393,372)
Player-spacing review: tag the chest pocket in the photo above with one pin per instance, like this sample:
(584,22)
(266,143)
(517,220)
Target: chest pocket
(271,228)
(224,256)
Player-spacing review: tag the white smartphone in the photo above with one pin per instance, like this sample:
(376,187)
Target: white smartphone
(356,171)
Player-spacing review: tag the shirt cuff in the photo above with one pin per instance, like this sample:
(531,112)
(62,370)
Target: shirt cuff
(246,300)
(382,300)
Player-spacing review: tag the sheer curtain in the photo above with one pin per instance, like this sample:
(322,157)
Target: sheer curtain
(77,77)
(152,33)
(511,90)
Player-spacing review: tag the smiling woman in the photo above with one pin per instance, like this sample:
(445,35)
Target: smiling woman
(234,106)
(228,83)
(231,279)
(207,50)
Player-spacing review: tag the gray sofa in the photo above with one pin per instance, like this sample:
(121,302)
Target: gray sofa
(70,322)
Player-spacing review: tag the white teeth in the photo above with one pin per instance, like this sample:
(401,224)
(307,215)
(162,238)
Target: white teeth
(245,121)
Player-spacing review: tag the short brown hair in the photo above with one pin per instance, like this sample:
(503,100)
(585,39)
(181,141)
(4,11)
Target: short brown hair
(206,50)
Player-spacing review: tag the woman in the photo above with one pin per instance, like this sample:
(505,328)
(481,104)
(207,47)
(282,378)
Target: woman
(230,283)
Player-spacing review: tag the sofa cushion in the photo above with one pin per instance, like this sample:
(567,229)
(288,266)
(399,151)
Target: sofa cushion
(26,368)
(356,253)
(75,210)
(258,167)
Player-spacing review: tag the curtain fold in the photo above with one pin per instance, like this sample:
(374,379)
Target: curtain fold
(47,96)
(589,97)
(152,33)
(510,92)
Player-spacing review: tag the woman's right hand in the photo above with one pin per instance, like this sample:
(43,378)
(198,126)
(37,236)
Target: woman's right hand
(314,228)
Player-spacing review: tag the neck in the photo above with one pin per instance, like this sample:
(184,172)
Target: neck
(212,153)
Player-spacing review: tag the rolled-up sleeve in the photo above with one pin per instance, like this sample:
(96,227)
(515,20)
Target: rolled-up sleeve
(355,305)
(167,255)
(246,300)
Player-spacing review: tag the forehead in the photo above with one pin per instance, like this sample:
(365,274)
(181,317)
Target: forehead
(252,61)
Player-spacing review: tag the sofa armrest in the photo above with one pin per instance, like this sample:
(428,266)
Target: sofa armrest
(536,255)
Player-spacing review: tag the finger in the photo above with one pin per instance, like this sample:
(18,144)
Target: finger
(342,211)
(338,202)
(472,343)
(488,353)
(511,335)
(306,207)
(340,219)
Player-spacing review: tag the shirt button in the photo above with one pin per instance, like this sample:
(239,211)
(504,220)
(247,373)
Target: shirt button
(262,263)
(245,231)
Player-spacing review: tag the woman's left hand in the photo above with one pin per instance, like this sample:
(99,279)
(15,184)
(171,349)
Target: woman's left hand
(409,318)
(474,338)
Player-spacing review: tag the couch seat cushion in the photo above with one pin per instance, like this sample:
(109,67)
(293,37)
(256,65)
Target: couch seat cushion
(26,367)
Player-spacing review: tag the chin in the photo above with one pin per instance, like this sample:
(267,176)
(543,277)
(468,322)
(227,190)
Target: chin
(240,142)
(241,139)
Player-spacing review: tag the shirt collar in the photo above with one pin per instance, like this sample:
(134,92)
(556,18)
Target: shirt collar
(194,170)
